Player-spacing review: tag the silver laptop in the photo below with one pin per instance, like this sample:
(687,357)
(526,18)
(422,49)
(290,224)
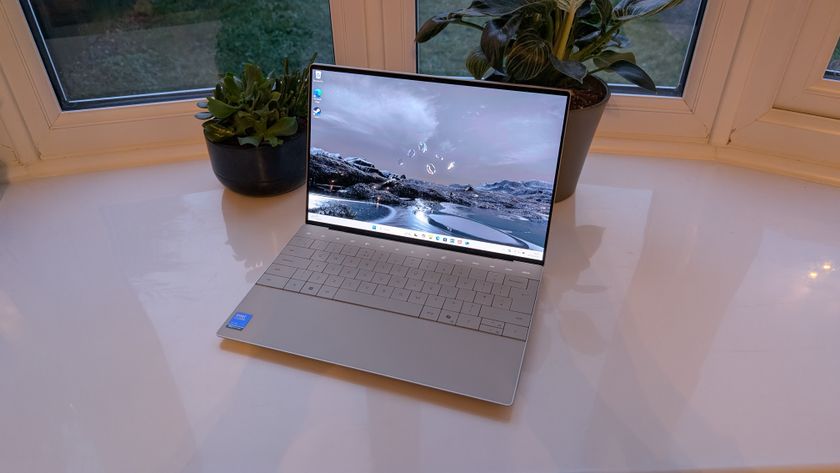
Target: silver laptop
(426,222)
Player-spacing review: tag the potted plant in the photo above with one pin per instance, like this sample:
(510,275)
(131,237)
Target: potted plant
(255,129)
(555,43)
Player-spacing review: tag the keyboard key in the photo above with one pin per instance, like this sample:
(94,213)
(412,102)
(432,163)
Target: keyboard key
(431,288)
(453,305)
(493,323)
(397,281)
(483,286)
(351,262)
(448,291)
(448,280)
(367,287)
(483,299)
(444,268)
(310,288)
(470,308)
(351,284)
(348,272)
(500,302)
(417,297)
(448,317)
(364,275)
(399,270)
(401,294)
(515,331)
(327,292)
(335,258)
(495,278)
(414,284)
(465,283)
(270,280)
(302,274)
(518,282)
(383,291)
(301,242)
(478,274)
(381,278)
(506,316)
(500,290)
(428,265)
(349,250)
(297,251)
(396,258)
(317,266)
(489,329)
(319,245)
(431,277)
(335,247)
(465,295)
(435,301)
(468,321)
(367,264)
(392,305)
(415,273)
(412,262)
(365,253)
(321,255)
(318,278)
(522,301)
(292,261)
(429,313)
(333,269)
(383,267)
(334,281)
(459,271)
(280,270)
(294,285)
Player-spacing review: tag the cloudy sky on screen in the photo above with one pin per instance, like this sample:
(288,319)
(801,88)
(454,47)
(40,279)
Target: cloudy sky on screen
(488,134)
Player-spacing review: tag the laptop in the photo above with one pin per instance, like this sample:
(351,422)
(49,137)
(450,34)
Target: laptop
(427,215)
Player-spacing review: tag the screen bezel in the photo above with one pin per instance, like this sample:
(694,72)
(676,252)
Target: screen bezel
(441,80)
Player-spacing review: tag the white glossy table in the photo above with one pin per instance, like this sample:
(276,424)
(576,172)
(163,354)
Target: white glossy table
(686,322)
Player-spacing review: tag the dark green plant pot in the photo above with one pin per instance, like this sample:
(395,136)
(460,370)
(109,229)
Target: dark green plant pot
(580,129)
(261,170)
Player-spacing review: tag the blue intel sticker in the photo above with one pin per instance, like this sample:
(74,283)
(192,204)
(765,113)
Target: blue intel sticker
(239,320)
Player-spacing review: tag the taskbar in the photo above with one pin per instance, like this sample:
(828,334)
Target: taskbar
(428,236)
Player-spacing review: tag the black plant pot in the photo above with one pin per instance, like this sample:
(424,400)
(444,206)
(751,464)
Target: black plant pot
(580,129)
(262,170)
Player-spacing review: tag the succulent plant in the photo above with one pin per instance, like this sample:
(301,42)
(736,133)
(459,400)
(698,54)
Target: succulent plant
(254,108)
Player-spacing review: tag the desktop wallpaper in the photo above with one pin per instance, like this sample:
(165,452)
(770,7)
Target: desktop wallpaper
(468,162)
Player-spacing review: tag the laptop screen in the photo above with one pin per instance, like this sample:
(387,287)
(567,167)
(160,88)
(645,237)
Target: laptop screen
(457,164)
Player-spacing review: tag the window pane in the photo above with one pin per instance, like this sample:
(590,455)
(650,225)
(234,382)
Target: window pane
(833,69)
(663,44)
(107,52)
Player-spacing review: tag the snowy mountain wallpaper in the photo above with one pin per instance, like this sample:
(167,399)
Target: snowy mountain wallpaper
(467,162)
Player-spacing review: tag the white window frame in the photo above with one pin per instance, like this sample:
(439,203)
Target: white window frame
(718,116)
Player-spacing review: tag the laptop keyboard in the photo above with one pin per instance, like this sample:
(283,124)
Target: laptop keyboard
(459,295)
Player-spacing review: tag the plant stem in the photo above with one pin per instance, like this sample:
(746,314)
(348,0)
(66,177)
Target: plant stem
(467,23)
(568,21)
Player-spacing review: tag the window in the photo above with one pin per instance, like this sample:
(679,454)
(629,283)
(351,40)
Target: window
(119,52)
(663,45)
(833,69)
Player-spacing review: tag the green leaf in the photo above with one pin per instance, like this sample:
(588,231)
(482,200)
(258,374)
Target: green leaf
(477,64)
(231,88)
(609,57)
(217,133)
(220,109)
(253,140)
(432,27)
(527,56)
(204,115)
(605,9)
(274,141)
(573,69)
(286,126)
(496,36)
(634,74)
(627,10)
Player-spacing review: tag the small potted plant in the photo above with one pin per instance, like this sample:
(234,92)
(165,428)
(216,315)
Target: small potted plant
(555,43)
(255,129)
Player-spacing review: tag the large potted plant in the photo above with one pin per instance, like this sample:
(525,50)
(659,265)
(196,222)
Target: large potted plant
(555,43)
(255,129)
